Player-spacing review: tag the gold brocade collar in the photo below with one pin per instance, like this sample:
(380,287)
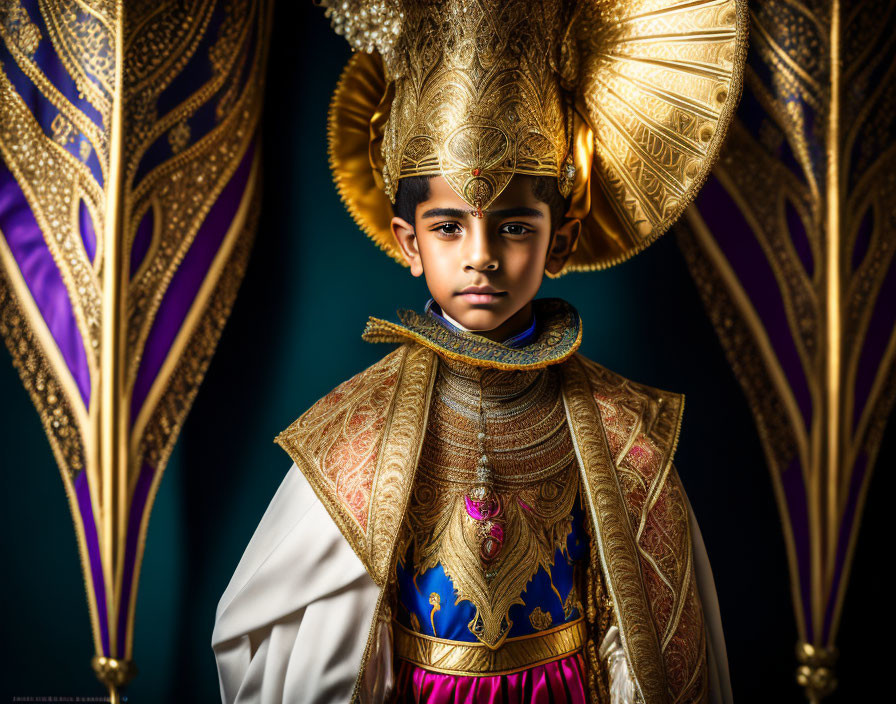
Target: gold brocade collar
(558,335)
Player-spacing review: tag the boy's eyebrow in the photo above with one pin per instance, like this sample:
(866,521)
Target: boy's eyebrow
(445,213)
(520,211)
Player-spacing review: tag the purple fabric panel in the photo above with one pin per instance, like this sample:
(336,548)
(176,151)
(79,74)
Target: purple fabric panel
(26,242)
(186,281)
(41,108)
(135,516)
(142,240)
(54,69)
(799,238)
(863,238)
(795,496)
(847,527)
(88,233)
(558,682)
(82,491)
(880,328)
(747,259)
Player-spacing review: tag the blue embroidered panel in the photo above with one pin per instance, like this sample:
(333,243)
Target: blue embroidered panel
(547,591)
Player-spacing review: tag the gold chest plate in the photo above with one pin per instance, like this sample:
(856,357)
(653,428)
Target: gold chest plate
(495,487)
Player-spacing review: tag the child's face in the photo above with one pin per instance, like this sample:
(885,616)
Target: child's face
(484,272)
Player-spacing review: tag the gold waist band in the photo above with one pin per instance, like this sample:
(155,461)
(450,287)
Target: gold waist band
(451,657)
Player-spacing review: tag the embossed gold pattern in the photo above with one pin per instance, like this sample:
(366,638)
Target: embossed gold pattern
(476,659)
(525,514)
(540,620)
(362,441)
(625,103)
(641,526)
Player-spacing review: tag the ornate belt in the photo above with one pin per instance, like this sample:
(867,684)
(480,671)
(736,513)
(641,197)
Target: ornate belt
(452,657)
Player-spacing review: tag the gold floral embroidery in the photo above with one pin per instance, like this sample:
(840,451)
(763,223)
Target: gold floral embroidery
(436,602)
(540,620)
(572,603)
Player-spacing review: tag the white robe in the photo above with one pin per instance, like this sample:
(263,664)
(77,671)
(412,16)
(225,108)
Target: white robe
(293,623)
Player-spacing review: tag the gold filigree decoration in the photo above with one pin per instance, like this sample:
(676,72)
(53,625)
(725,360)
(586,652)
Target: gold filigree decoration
(54,182)
(559,336)
(641,522)
(363,440)
(640,572)
(336,443)
(52,403)
(540,620)
(572,603)
(490,558)
(436,602)
(18,25)
(213,310)
(122,58)
(61,130)
(810,181)
(179,136)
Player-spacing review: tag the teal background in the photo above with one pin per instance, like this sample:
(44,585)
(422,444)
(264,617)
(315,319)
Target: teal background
(294,334)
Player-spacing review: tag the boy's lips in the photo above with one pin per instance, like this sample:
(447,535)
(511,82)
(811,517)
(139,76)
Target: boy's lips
(481,294)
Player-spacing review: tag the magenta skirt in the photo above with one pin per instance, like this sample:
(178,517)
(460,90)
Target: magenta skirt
(558,682)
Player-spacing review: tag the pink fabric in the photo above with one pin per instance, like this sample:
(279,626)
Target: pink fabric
(559,682)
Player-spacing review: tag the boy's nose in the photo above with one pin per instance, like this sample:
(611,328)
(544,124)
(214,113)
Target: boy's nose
(479,251)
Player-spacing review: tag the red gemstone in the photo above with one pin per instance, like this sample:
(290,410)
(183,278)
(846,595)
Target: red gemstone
(476,172)
(490,548)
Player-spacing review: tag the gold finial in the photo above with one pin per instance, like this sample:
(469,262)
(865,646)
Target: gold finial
(113,673)
(816,671)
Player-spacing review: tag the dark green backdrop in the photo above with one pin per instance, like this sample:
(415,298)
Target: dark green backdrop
(294,334)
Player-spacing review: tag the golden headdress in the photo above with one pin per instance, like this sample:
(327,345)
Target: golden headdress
(625,103)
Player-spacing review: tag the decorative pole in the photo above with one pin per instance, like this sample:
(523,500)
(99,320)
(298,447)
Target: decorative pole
(791,244)
(129,173)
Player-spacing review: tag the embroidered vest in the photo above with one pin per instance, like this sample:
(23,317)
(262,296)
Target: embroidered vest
(361,445)
(494,545)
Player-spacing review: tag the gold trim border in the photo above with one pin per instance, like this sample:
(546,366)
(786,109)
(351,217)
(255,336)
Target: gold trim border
(450,657)
(613,533)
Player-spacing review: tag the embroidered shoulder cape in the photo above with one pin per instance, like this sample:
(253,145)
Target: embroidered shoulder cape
(359,446)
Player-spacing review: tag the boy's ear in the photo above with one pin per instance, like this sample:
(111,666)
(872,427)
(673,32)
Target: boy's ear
(563,244)
(407,242)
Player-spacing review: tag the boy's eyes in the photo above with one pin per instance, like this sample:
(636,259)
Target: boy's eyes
(447,228)
(516,229)
(453,228)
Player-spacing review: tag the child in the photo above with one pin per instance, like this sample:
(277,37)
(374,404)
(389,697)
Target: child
(482,515)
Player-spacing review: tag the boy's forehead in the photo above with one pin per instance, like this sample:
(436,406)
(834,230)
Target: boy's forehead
(517,193)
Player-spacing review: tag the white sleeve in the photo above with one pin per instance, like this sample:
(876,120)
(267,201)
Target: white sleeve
(716,653)
(612,655)
(293,622)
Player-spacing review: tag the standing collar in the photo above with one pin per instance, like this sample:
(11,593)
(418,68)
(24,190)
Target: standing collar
(521,339)
(556,334)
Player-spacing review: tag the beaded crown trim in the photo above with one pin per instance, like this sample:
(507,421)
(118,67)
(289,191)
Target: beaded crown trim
(558,337)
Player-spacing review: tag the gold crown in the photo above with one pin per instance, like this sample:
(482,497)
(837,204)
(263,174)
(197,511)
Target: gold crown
(625,103)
